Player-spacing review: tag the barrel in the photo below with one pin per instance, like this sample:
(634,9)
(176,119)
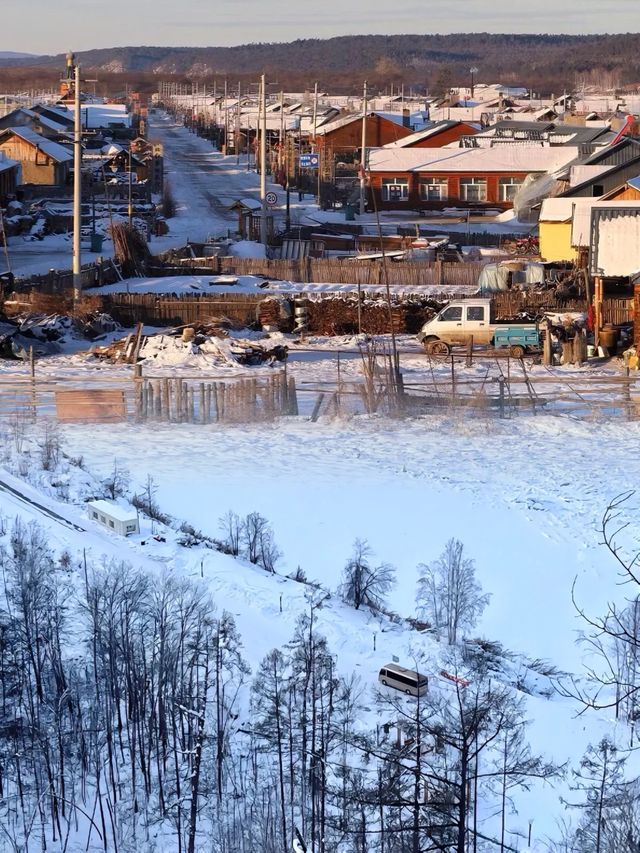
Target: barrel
(609,338)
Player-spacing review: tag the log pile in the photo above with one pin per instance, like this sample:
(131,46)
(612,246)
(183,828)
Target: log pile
(340,316)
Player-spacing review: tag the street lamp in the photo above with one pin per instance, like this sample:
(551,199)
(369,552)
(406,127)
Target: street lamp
(473,70)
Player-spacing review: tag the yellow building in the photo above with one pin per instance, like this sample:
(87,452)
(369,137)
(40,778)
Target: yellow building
(555,226)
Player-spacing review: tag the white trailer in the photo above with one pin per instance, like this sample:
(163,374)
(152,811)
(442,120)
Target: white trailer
(114,517)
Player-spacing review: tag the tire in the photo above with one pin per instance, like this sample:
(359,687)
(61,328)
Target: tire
(408,692)
(438,349)
(386,684)
(516,351)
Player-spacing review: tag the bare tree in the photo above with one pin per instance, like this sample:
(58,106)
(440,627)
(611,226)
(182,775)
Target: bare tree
(117,481)
(364,584)
(449,596)
(256,536)
(232,528)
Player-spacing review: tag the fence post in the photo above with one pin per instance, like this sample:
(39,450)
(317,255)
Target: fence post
(501,385)
(137,389)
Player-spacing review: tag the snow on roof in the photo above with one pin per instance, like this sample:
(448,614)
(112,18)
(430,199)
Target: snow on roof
(103,115)
(114,510)
(504,158)
(562,209)
(581,228)
(580,174)
(251,203)
(343,121)
(51,149)
(408,141)
(45,121)
(6,163)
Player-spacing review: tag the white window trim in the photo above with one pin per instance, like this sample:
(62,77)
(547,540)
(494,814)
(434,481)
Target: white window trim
(441,184)
(481,183)
(387,183)
(503,186)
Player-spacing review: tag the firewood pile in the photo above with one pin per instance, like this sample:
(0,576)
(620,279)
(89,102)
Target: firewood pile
(123,351)
(340,316)
(130,250)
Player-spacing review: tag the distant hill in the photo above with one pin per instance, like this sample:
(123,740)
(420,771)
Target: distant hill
(10,54)
(541,61)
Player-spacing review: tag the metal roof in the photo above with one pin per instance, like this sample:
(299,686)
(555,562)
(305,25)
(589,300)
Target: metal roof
(51,149)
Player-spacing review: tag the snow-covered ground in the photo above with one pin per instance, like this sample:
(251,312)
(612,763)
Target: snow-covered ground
(524,496)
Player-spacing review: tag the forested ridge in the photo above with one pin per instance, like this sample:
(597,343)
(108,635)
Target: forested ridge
(552,62)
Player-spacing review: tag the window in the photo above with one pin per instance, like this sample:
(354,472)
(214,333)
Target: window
(103,519)
(94,514)
(508,187)
(473,189)
(475,312)
(434,189)
(598,190)
(111,524)
(395,189)
(451,314)
(131,528)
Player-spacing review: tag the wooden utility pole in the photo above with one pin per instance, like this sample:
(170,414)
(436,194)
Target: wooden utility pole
(238,122)
(597,310)
(263,160)
(77,192)
(363,152)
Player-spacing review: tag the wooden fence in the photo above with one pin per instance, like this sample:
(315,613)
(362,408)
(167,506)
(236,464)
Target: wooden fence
(331,313)
(334,271)
(204,400)
(508,388)
(59,281)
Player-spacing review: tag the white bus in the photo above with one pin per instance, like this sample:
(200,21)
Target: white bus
(407,680)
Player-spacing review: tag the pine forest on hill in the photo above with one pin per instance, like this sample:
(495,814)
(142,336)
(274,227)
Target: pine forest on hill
(553,62)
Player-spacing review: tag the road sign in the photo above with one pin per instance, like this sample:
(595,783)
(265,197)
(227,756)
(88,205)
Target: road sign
(309,161)
(271,199)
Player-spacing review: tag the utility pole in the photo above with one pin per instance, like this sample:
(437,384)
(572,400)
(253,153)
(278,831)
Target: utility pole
(130,206)
(315,128)
(363,153)
(238,117)
(77,192)
(263,160)
(226,119)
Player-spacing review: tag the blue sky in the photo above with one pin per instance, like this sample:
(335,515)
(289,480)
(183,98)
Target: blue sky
(45,27)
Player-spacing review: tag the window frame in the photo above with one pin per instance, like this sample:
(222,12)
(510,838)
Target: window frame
(435,182)
(479,308)
(386,185)
(506,183)
(444,319)
(473,182)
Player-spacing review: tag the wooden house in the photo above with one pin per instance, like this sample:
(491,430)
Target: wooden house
(42,161)
(416,179)
(440,134)
(9,179)
(339,143)
(37,122)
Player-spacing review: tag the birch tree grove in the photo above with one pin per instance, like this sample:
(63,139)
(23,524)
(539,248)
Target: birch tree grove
(130,723)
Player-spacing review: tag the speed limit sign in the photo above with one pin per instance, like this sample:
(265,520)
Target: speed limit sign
(271,199)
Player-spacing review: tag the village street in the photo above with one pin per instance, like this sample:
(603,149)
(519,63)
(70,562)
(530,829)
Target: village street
(203,183)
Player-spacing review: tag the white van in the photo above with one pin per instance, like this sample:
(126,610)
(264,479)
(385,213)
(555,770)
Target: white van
(407,680)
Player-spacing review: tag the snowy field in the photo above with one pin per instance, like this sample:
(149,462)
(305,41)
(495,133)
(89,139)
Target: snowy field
(525,497)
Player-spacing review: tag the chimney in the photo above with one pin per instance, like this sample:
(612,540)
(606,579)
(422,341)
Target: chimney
(406,117)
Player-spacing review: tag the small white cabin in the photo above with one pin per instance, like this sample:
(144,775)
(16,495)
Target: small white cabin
(114,517)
